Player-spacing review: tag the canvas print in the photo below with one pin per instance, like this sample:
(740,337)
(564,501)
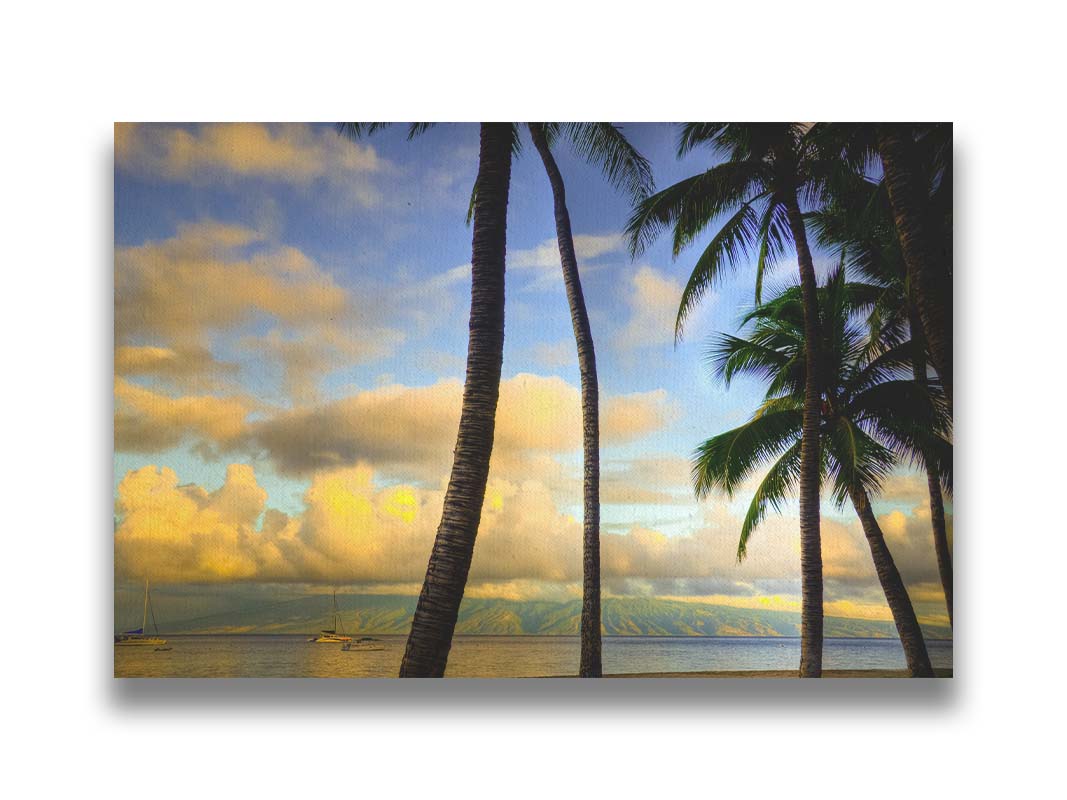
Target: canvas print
(539,399)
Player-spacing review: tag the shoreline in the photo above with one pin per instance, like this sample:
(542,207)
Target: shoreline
(939,672)
(194,634)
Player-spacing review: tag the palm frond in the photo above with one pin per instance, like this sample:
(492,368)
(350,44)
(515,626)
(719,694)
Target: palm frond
(772,241)
(470,205)
(893,363)
(697,133)
(903,399)
(713,192)
(359,130)
(605,145)
(726,460)
(731,356)
(776,486)
(855,460)
(734,239)
(419,128)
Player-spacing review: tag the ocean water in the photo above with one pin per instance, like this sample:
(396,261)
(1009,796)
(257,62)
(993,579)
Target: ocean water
(252,656)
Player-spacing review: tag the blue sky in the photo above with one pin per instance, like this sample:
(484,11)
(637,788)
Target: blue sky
(278,287)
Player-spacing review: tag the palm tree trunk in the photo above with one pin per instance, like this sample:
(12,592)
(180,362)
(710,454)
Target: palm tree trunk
(944,553)
(911,636)
(933,483)
(430,639)
(811,632)
(908,198)
(590,666)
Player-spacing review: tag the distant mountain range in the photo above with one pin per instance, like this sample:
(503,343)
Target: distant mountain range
(622,616)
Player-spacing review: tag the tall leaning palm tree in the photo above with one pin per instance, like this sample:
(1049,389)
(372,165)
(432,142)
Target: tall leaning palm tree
(604,144)
(435,617)
(857,223)
(870,416)
(916,162)
(768,171)
(929,266)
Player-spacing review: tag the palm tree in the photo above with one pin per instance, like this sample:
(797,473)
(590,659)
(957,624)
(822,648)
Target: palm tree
(604,144)
(870,417)
(769,168)
(934,480)
(916,161)
(929,271)
(857,222)
(434,622)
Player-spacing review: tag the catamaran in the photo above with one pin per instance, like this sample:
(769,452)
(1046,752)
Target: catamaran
(138,638)
(363,644)
(336,634)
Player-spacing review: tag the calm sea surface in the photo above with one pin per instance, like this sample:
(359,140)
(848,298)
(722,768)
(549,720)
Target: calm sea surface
(253,656)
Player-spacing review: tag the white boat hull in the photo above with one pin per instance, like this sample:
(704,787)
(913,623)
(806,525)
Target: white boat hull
(149,642)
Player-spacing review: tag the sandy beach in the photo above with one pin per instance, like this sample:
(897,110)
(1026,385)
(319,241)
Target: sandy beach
(782,673)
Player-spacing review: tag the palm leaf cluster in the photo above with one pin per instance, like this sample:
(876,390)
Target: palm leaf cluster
(763,168)
(848,391)
(874,415)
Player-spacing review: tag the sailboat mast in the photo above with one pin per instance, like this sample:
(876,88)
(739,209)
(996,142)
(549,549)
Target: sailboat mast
(144,617)
(338,623)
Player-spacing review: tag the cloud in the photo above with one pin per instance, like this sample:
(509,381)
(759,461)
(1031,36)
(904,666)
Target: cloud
(350,531)
(543,260)
(307,356)
(146,421)
(212,153)
(708,552)
(406,432)
(174,533)
(653,301)
(651,480)
(628,417)
(356,530)
(399,429)
(203,280)
(410,431)
(545,256)
(177,296)
(190,368)
(910,539)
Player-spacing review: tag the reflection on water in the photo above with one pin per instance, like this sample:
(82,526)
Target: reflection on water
(497,656)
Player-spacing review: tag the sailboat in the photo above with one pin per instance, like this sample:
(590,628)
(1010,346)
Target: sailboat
(363,644)
(138,638)
(336,634)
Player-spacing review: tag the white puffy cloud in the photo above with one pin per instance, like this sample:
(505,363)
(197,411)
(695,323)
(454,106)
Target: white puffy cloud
(410,431)
(175,297)
(546,255)
(351,530)
(147,421)
(293,153)
(653,302)
(190,368)
(355,530)
(543,260)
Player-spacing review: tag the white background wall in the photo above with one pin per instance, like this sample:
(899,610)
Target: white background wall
(69,70)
